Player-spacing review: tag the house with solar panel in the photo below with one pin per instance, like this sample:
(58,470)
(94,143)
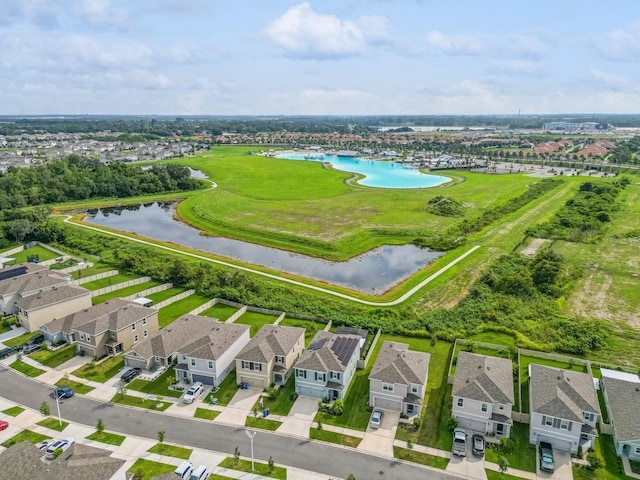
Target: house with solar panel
(23,280)
(325,369)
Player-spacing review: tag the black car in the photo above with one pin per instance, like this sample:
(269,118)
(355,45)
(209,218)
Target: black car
(546,457)
(31,347)
(6,352)
(477,445)
(62,392)
(130,374)
(37,338)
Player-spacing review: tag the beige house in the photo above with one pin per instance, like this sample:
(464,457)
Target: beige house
(20,281)
(58,302)
(108,328)
(269,357)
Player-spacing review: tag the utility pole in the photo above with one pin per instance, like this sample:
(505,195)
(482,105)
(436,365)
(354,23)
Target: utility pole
(251,435)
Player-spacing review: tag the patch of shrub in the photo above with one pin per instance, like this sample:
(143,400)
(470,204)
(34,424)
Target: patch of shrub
(445,207)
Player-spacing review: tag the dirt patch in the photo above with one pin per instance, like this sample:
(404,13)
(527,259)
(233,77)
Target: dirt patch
(530,250)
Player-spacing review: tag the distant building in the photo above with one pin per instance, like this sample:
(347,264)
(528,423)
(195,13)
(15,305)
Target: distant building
(573,127)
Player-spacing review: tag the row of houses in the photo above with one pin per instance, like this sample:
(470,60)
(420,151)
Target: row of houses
(563,404)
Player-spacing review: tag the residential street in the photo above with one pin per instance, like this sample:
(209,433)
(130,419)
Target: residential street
(313,456)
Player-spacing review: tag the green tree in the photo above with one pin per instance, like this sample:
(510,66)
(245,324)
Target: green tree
(270,463)
(595,460)
(236,456)
(161,436)
(503,465)
(100,426)
(122,389)
(20,228)
(45,409)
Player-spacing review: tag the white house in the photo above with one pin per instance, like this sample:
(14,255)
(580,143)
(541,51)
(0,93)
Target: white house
(622,396)
(564,408)
(326,367)
(482,393)
(20,281)
(398,379)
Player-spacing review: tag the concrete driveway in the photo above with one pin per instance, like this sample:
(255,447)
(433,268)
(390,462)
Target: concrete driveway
(563,470)
(300,417)
(471,466)
(380,440)
(239,407)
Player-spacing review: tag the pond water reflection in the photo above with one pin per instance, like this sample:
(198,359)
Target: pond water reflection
(372,272)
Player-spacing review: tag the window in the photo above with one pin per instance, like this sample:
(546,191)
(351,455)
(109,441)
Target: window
(587,416)
(548,421)
(320,377)
(133,327)
(210,364)
(414,388)
(245,365)
(135,338)
(637,449)
(387,387)
(88,337)
(279,359)
(460,402)
(193,362)
(564,424)
(81,336)
(484,407)
(500,407)
(146,333)
(144,321)
(301,373)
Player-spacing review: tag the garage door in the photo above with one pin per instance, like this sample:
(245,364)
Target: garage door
(475,425)
(253,382)
(387,404)
(310,392)
(206,380)
(562,445)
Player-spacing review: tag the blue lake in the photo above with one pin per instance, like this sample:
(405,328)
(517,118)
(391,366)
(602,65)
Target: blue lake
(377,173)
(373,272)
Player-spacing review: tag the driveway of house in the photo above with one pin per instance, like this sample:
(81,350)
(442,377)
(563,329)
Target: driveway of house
(300,418)
(563,470)
(239,407)
(74,363)
(380,440)
(471,466)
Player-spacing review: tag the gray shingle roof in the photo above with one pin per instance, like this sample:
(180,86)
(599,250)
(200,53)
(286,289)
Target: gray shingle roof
(561,393)
(396,364)
(483,378)
(49,297)
(270,341)
(22,462)
(328,352)
(624,405)
(192,335)
(33,281)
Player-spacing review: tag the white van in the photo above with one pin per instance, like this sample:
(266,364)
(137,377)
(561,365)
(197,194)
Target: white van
(193,393)
(184,470)
(200,473)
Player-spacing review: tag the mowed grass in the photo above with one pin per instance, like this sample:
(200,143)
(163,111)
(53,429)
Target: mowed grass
(100,372)
(281,405)
(124,292)
(27,369)
(76,386)
(149,404)
(13,411)
(523,456)
(159,386)
(255,320)
(419,457)
(53,424)
(206,414)
(19,340)
(334,437)
(109,281)
(220,311)
(149,469)
(55,358)
(87,272)
(165,294)
(174,311)
(171,451)
(25,436)
(613,469)
(310,327)
(44,254)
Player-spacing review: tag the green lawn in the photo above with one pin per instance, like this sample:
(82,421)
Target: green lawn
(215,476)
(150,404)
(171,451)
(108,281)
(27,369)
(260,468)
(124,292)
(77,386)
(87,272)
(524,454)
(13,411)
(19,340)
(55,358)
(220,311)
(263,423)
(165,294)
(256,320)
(25,436)
(334,437)
(44,253)
(149,469)
(100,372)
(106,437)
(419,457)
(613,469)
(159,386)
(206,414)
(174,311)
(493,475)
(53,424)
(281,405)
(227,389)
(310,327)
(356,405)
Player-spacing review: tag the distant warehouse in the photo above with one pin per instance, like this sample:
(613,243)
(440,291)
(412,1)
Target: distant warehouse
(574,127)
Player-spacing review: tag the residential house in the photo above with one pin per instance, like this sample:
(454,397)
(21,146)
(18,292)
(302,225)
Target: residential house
(622,398)
(482,393)
(108,328)
(20,281)
(203,348)
(36,310)
(398,379)
(269,356)
(326,367)
(564,408)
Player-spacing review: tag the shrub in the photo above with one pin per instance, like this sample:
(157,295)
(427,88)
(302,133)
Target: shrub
(506,445)
(595,461)
(452,423)
(417,422)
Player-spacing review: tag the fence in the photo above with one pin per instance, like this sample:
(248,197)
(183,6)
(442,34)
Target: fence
(75,268)
(14,250)
(280,318)
(328,325)
(118,286)
(97,276)
(174,299)
(205,306)
(46,263)
(363,363)
(149,291)
(235,316)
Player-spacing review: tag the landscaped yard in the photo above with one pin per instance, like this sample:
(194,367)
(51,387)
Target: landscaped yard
(77,386)
(148,469)
(263,423)
(101,372)
(27,369)
(310,327)
(53,424)
(206,414)
(227,389)
(523,456)
(124,292)
(159,386)
(19,340)
(108,281)
(419,457)
(174,311)
(150,404)
(220,311)
(44,254)
(171,451)
(165,294)
(260,468)
(87,272)
(13,411)
(106,437)
(25,436)
(613,469)
(356,411)
(281,405)
(256,320)
(334,437)
(493,475)
(55,358)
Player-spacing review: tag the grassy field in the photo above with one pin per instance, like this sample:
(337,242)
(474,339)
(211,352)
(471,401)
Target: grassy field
(256,320)
(165,294)
(124,292)
(25,436)
(220,311)
(171,451)
(334,437)
(177,309)
(108,281)
(100,372)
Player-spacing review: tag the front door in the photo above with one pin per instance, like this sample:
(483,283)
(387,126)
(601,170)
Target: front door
(499,429)
(410,409)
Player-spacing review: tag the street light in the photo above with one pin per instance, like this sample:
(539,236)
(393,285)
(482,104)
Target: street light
(251,435)
(57,397)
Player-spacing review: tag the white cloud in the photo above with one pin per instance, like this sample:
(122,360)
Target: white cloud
(103,13)
(322,101)
(303,32)
(614,82)
(454,44)
(622,44)
(519,67)
(527,47)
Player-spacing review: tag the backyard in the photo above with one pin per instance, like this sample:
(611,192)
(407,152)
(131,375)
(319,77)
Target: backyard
(44,254)
(177,309)
(310,327)
(109,281)
(165,294)
(256,320)
(220,311)
(124,292)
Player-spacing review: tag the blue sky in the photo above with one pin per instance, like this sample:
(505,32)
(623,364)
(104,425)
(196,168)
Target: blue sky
(226,57)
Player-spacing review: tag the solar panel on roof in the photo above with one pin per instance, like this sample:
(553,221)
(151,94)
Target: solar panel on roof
(14,272)
(343,347)
(317,345)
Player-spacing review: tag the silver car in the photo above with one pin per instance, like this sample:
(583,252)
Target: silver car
(376,419)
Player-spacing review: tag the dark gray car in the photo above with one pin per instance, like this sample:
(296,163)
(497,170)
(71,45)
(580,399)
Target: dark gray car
(546,457)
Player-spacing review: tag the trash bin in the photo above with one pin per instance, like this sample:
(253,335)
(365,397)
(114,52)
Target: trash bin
(265,412)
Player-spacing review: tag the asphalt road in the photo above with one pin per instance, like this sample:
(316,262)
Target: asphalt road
(313,456)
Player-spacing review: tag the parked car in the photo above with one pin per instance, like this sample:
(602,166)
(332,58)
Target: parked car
(30,348)
(58,445)
(546,457)
(130,374)
(37,338)
(184,470)
(460,442)
(62,392)
(43,445)
(193,393)
(4,425)
(200,473)
(376,419)
(7,352)
(477,444)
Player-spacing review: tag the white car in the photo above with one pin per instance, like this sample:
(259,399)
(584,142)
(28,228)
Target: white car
(43,445)
(62,445)
(184,470)
(193,393)
(200,473)
(376,419)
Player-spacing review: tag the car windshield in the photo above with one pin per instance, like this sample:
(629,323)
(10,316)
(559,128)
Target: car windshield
(547,459)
